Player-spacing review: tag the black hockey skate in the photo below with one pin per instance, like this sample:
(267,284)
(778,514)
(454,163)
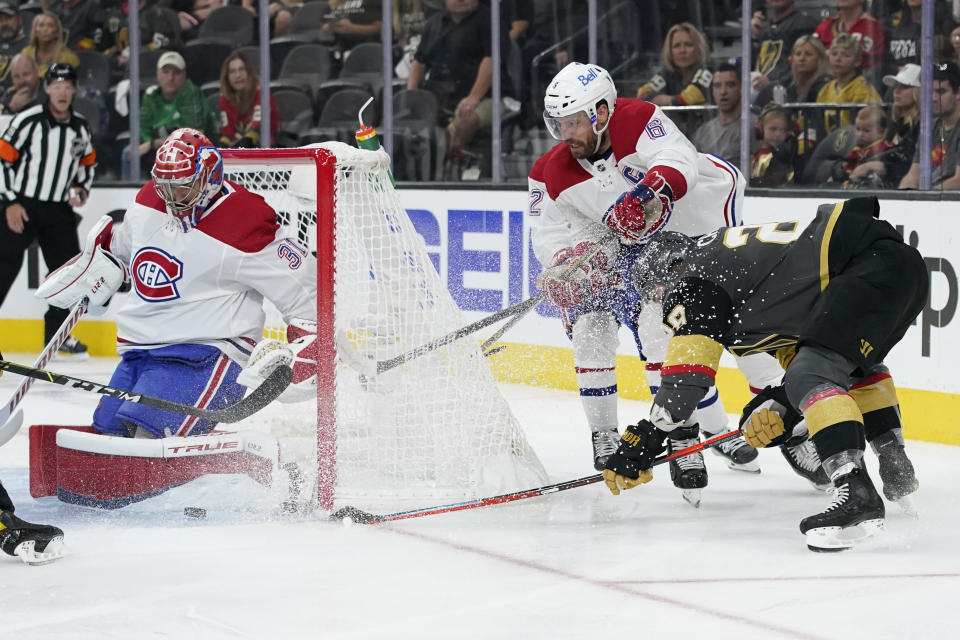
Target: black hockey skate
(805,461)
(855,514)
(899,479)
(689,473)
(72,349)
(738,455)
(605,444)
(32,543)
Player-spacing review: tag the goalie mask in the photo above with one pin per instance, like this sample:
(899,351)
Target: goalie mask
(187,174)
(578,88)
(660,262)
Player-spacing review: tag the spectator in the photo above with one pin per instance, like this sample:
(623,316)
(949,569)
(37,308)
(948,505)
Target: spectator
(191,13)
(848,85)
(684,78)
(773,39)
(946,134)
(454,62)
(159,29)
(280,13)
(354,21)
(902,133)
(159,26)
(775,162)
(809,73)
(721,134)
(871,126)
(85,22)
(240,105)
(25,90)
(904,42)
(173,103)
(46,141)
(852,18)
(48,43)
(12,40)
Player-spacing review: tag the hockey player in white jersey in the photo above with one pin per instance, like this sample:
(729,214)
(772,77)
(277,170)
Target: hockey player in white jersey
(201,253)
(623,171)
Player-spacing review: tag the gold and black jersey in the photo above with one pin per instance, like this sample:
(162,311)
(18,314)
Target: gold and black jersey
(751,288)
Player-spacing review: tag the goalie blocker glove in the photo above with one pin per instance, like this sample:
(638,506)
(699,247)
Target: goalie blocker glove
(94,273)
(565,288)
(300,354)
(641,211)
(640,445)
(769,418)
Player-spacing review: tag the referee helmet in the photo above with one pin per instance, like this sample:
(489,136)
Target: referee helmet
(60,71)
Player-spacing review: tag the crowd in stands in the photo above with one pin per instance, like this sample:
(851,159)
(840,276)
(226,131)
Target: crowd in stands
(834,88)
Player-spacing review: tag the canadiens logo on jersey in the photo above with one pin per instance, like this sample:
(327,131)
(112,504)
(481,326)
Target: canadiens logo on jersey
(155,274)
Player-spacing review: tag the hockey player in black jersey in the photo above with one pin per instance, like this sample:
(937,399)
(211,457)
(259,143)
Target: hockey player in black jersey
(830,301)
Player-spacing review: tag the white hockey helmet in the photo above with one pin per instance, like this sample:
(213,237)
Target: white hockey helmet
(578,87)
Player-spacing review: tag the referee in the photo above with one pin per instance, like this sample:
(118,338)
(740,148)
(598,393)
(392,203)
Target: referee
(47,162)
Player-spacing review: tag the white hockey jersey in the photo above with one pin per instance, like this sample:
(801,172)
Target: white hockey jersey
(568,197)
(207,286)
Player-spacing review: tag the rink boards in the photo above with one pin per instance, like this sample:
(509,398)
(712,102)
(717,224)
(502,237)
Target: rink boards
(479,242)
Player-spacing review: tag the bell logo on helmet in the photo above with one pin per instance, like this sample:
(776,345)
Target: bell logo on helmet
(586,79)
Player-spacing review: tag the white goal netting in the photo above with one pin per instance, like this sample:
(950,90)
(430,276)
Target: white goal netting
(434,428)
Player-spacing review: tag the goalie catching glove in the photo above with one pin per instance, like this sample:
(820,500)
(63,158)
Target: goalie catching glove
(94,273)
(768,420)
(300,354)
(638,213)
(565,288)
(630,466)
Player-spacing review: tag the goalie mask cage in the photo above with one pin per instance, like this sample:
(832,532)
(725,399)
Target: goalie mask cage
(433,428)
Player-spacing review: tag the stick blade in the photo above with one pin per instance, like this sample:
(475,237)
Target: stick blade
(11,427)
(260,397)
(355,515)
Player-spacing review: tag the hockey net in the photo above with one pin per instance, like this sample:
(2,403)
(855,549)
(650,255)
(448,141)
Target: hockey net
(435,428)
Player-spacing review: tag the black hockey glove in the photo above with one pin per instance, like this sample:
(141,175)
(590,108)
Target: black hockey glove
(630,465)
(768,420)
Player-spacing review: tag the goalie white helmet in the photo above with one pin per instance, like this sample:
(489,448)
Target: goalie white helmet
(578,87)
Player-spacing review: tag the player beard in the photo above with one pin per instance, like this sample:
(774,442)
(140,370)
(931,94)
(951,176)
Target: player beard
(581,149)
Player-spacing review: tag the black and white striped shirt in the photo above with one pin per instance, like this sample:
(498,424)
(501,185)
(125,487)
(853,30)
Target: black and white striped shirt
(43,158)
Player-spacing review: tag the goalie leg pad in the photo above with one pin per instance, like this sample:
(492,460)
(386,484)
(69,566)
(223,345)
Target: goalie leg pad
(197,375)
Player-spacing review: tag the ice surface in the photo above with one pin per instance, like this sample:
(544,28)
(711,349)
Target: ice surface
(578,564)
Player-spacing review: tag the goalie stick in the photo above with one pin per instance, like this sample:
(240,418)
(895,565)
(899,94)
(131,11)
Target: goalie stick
(369,368)
(360,516)
(260,397)
(10,425)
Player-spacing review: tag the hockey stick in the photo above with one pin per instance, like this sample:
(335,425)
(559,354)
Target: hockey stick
(517,311)
(357,515)
(10,425)
(260,397)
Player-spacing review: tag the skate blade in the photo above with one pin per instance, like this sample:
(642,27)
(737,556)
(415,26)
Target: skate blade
(27,552)
(692,496)
(832,539)
(746,467)
(908,508)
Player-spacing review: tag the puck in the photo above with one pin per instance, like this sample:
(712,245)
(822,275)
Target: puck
(195,512)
